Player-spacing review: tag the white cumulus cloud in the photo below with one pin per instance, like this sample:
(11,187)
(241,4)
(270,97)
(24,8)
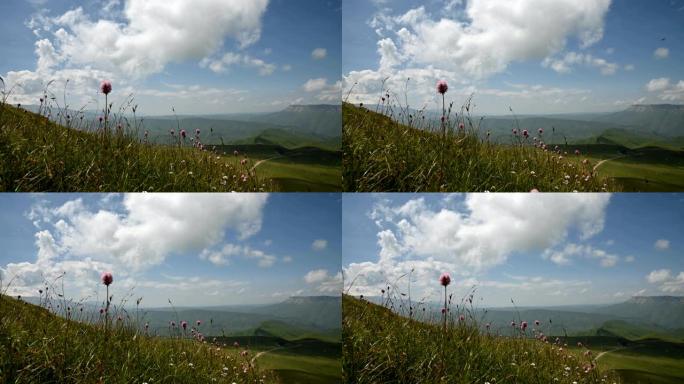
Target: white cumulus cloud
(324,282)
(141,232)
(319,53)
(319,244)
(662,244)
(661,53)
(425,240)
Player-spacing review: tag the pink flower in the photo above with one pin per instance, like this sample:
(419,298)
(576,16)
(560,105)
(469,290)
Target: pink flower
(199,322)
(172,132)
(534,190)
(444,310)
(107,278)
(100,118)
(173,324)
(537,322)
(525,133)
(147,325)
(523,325)
(461,126)
(487,326)
(182,133)
(101,311)
(243,161)
(235,152)
(577,152)
(442,87)
(445,279)
(197,131)
(184,324)
(106,87)
(541,131)
(512,323)
(515,132)
(461,318)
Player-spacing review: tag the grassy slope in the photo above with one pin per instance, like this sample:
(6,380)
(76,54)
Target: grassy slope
(290,332)
(294,361)
(382,155)
(304,169)
(290,140)
(36,346)
(38,155)
(382,347)
(647,361)
(636,332)
(646,365)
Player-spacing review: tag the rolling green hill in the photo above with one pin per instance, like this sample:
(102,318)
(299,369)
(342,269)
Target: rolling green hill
(291,332)
(661,311)
(634,332)
(660,119)
(290,140)
(321,120)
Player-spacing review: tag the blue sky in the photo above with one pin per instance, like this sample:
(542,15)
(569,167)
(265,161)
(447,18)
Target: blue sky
(539,249)
(196,249)
(533,55)
(207,56)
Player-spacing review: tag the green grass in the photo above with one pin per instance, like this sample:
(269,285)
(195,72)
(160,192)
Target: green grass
(39,155)
(297,368)
(290,140)
(646,362)
(649,169)
(634,332)
(37,346)
(295,360)
(380,346)
(304,169)
(380,154)
(289,332)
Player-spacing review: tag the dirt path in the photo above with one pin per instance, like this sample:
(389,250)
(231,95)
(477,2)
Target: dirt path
(604,352)
(258,355)
(258,163)
(600,163)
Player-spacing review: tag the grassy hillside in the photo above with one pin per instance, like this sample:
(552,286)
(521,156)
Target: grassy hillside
(291,332)
(36,346)
(290,140)
(302,169)
(662,119)
(294,361)
(635,332)
(383,347)
(39,155)
(646,361)
(380,154)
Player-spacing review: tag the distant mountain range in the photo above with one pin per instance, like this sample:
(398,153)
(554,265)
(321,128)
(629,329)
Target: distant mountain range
(315,314)
(295,126)
(655,122)
(638,317)
(296,317)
